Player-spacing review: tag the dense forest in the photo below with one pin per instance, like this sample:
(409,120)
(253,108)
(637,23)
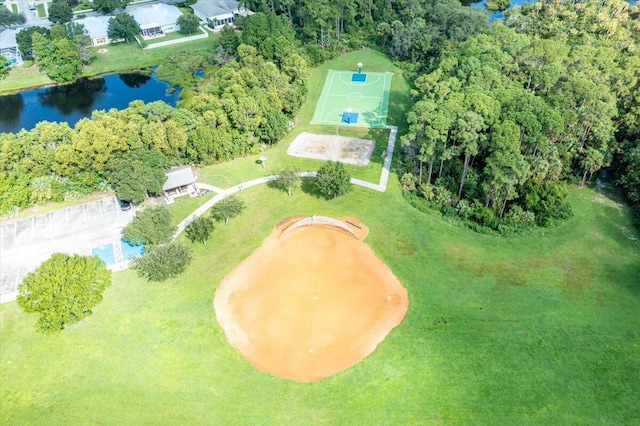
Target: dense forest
(505,115)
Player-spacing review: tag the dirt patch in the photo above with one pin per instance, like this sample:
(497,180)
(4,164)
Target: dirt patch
(311,301)
(332,147)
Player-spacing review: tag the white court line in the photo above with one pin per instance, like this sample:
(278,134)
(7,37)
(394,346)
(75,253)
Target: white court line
(327,95)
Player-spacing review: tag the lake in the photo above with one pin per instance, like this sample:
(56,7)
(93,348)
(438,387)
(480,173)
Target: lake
(72,102)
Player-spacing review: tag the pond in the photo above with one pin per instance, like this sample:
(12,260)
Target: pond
(72,102)
(498,15)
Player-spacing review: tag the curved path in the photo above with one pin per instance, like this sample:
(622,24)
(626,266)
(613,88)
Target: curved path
(381,186)
(221,193)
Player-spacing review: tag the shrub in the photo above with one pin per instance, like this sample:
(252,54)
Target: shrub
(517,221)
(163,262)
(333,180)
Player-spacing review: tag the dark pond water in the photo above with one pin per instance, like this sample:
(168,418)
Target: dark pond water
(498,15)
(72,102)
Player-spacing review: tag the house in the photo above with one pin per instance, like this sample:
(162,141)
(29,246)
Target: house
(97,27)
(9,47)
(217,13)
(156,20)
(180,181)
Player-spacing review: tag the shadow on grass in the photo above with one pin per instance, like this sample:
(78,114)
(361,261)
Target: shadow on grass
(308,187)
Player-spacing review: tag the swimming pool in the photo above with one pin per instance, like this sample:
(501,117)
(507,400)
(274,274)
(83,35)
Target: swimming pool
(109,255)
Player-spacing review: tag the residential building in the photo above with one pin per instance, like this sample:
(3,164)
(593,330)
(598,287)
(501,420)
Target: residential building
(97,27)
(156,20)
(217,13)
(9,47)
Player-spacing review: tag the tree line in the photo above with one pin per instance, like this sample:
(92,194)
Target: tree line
(247,105)
(505,119)
(507,114)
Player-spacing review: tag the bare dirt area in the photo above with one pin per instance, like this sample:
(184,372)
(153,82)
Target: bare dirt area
(332,147)
(311,301)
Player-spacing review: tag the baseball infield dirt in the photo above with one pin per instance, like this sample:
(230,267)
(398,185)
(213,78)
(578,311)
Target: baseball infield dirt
(311,301)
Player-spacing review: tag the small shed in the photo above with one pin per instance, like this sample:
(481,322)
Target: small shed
(180,181)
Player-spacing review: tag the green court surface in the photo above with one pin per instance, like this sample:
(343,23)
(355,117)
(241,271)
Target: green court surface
(345,102)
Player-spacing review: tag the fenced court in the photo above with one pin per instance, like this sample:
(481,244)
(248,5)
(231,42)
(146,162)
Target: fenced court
(354,99)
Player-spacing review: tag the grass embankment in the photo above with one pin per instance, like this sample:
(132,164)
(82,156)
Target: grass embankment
(541,329)
(119,57)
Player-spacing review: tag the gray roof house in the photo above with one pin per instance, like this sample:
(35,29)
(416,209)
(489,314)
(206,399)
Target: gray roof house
(156,19)
(180,181)
(9,47)
(97,27)
(217,13)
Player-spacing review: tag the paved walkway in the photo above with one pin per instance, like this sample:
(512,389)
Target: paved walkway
(222,193)
(381,186)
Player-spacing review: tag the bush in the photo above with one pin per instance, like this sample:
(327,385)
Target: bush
(517,221)
(333,180)
(227,208)
(484,216)
(163,262)
(199,229)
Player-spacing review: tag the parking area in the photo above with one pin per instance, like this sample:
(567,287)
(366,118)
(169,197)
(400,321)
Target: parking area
(26,243)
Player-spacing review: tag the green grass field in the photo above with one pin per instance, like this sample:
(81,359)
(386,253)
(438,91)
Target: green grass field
(368,99)
(540,329)
(42,13)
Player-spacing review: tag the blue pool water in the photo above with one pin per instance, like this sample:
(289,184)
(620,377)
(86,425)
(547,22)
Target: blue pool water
(105,253)
(108,256)
(129,250)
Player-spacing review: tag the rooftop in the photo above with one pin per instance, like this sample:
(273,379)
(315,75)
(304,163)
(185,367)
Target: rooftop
(177,177)
(159,14)
(212,8)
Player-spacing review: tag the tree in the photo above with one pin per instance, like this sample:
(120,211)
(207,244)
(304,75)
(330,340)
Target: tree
(79,35)
(497,5)
(333,180)
(63,290)
(163,262)
(25,42)
(199,229)
(4,67)
(288,179)
(9,19)
(60,12)
(123,26)
(138,173)
(227,208)
(189,23)
(58,59)
(228,39)
(255,29)
(150,227)
(107,6)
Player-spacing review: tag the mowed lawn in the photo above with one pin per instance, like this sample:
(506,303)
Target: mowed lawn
(541,329)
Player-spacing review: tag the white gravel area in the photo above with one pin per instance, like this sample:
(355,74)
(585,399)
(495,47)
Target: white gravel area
(332,147)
